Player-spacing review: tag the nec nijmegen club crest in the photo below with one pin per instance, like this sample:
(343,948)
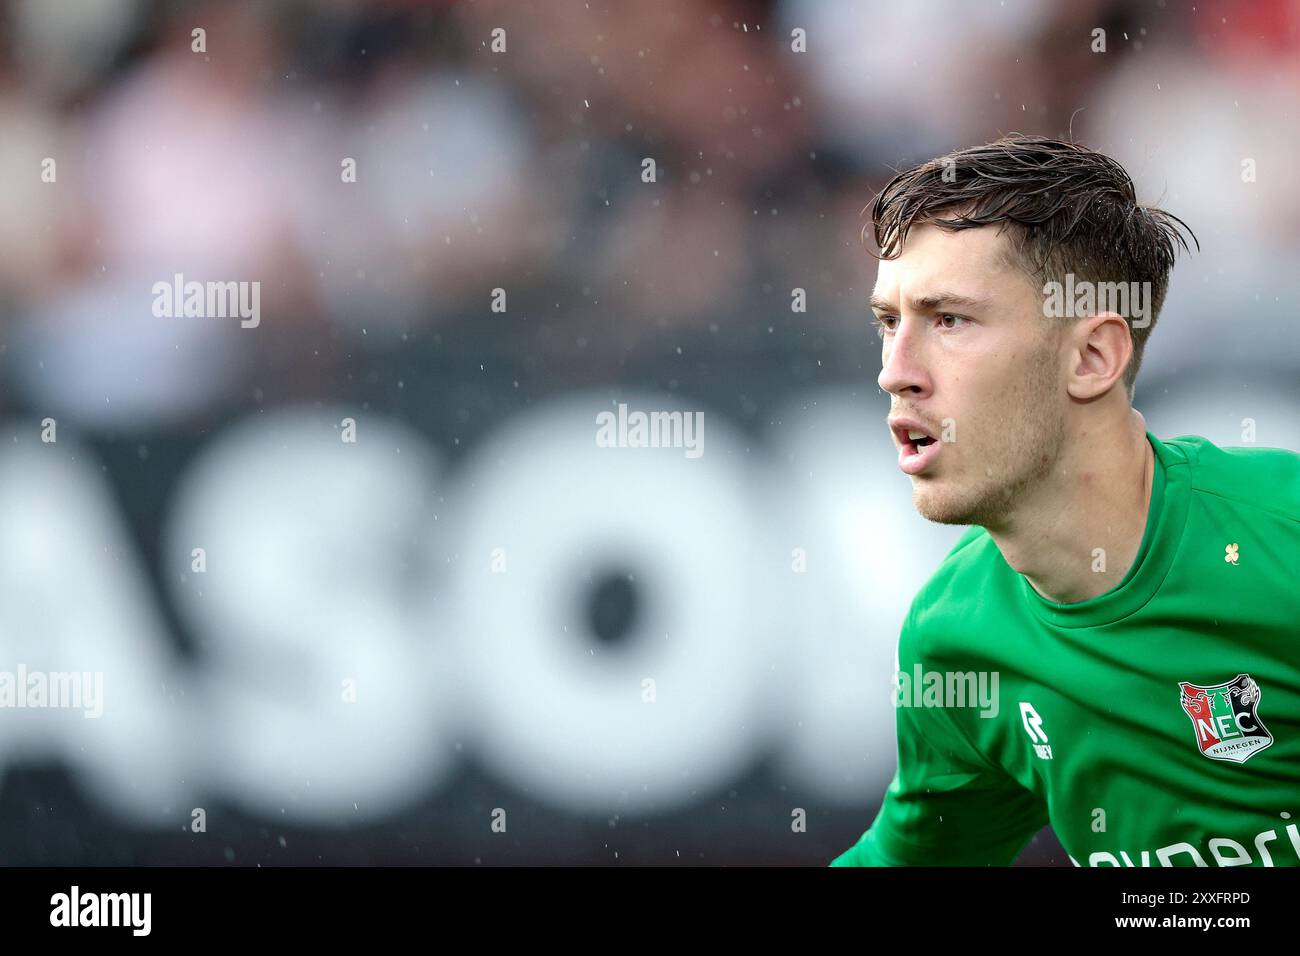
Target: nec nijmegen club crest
(1225,718)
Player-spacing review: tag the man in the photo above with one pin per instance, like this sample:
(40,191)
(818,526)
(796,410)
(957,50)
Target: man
(1136,600)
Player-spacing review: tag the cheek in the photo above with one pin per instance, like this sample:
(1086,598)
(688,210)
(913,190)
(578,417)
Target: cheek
(1006,376)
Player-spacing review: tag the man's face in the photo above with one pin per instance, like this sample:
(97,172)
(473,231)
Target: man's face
(969,357)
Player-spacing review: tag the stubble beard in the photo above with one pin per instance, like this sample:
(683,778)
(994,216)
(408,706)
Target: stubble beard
(1007,459)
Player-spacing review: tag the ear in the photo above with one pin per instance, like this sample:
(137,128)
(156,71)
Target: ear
(1101,347)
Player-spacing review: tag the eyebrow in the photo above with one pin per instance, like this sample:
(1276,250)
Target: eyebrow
(932,302)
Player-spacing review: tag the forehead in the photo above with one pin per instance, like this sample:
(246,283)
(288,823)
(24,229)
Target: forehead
(969,262)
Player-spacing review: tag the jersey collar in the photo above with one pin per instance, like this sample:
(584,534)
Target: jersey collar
(1166,515)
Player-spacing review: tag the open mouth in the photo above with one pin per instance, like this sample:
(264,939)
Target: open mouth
(917,449)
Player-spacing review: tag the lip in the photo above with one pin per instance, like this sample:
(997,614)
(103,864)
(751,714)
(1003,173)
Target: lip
(913,460)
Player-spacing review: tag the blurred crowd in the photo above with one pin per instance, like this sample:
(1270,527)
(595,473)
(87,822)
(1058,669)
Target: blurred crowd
(503,145)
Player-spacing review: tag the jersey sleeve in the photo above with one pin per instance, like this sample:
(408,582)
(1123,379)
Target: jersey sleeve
(947,804)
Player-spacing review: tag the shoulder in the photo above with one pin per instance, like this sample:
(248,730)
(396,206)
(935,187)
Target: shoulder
(953,595)
(1255,478)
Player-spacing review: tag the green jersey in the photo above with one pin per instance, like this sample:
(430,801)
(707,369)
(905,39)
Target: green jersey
(1155,725)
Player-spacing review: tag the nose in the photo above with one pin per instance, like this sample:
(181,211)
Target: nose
(902,367)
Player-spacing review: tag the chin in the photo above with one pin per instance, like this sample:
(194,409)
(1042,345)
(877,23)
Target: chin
(934,504)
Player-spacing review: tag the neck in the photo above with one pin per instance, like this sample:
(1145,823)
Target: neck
(1096,497)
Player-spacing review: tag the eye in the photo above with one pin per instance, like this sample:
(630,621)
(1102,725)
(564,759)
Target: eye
(956,318)
(882,323)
